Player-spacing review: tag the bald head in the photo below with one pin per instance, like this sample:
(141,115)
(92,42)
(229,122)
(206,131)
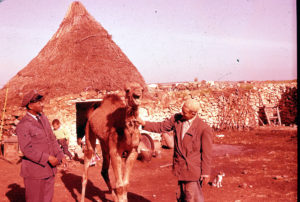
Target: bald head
(192,105)
(190,109)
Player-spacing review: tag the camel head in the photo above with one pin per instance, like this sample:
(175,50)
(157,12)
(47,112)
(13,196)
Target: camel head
(134,92)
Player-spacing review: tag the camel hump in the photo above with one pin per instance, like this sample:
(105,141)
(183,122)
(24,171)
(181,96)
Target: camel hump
(112,99)
(109,104)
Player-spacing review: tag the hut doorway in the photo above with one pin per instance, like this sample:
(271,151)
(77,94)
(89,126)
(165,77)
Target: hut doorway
(83,110)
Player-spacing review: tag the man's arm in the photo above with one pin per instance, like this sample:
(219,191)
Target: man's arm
(58,153)
(26,147)
(159,127)
(206,154)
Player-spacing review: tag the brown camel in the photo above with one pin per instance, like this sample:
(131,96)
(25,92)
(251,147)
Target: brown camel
(115,124)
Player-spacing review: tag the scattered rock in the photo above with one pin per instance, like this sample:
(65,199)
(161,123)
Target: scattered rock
(285,176)
(278,177)
(244,185)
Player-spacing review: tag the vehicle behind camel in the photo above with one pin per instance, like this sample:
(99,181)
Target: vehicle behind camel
(115,125)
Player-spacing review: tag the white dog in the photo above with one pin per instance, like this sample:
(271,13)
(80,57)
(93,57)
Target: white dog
(218,180)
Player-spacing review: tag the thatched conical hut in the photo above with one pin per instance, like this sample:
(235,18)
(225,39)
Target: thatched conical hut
(81,54)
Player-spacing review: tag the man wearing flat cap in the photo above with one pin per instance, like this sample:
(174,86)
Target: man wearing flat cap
(41,152)
(192,150)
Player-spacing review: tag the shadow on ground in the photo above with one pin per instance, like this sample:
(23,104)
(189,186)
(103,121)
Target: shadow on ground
(16,193)
(73,182)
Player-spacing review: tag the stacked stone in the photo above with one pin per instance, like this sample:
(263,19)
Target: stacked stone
(224,105)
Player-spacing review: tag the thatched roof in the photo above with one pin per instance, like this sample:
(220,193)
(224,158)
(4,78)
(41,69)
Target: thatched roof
(81,54)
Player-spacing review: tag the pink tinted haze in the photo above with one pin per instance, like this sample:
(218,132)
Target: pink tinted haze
(168,40)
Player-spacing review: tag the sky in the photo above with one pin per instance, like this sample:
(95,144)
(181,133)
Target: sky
(167,40)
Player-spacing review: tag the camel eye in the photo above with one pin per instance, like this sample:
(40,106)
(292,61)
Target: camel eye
(136,96)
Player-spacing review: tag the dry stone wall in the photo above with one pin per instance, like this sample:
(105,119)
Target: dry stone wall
(224,105)
(235,105)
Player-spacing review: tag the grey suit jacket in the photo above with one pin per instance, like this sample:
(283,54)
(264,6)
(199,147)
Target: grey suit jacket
(37,142)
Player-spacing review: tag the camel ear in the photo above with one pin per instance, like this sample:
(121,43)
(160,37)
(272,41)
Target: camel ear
(127,88)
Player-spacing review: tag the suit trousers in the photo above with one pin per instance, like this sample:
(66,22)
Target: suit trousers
(189,191)
(39,190)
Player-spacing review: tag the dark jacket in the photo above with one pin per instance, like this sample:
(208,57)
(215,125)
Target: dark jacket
(37,142)
(192,155)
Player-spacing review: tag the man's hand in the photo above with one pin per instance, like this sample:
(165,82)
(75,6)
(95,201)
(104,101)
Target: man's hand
(141,121)
(64,162)
(204,179)
(53,161)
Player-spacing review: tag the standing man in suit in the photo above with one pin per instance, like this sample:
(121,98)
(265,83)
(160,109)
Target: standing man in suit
(192,150)
(40,149)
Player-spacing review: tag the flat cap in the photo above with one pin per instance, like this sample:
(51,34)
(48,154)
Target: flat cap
(32,96)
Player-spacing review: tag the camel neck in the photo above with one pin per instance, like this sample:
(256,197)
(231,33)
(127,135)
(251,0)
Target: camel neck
(131,111)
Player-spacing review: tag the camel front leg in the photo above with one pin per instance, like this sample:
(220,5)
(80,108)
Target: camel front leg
(116,163)
(128,167)
(105,164)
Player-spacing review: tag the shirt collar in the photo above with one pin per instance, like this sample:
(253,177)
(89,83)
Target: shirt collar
(33,116)
(191,120)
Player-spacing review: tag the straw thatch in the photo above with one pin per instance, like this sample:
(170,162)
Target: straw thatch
(80,55)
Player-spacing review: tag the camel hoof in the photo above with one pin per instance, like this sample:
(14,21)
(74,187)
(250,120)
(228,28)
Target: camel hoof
(114,196)
(120,191)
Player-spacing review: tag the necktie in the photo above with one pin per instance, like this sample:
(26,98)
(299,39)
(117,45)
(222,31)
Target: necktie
(40,122)
(39,119)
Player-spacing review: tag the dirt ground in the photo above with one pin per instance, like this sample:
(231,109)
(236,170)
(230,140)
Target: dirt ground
(259,165)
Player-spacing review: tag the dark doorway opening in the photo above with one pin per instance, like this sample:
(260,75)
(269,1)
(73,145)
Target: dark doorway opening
(83,110)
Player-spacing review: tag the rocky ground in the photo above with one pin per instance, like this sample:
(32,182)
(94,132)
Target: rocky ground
(259,165)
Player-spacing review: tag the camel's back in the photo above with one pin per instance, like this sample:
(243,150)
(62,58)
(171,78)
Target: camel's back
(104,117)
